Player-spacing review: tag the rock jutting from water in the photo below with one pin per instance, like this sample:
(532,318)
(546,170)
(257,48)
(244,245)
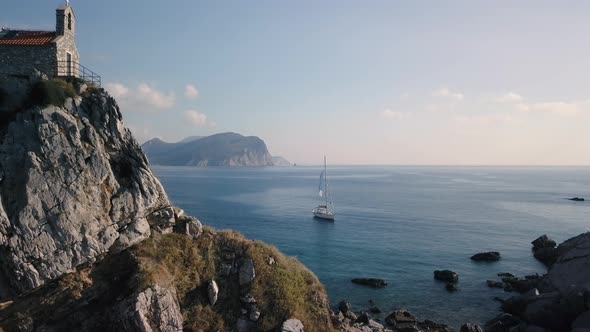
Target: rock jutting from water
(446,275)
(399,320)
(490,256)
(576,199)
(544,249)
(373,282)
(560,300)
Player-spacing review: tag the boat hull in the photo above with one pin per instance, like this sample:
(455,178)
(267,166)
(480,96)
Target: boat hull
(323,215)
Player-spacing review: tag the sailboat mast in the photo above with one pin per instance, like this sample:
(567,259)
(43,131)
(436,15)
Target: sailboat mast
(326,181)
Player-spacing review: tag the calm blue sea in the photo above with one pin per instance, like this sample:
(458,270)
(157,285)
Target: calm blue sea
(396,223)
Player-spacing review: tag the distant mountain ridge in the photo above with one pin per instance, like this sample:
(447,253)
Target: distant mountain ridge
(225,149)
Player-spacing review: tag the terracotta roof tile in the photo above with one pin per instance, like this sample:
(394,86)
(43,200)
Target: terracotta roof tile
(16,37)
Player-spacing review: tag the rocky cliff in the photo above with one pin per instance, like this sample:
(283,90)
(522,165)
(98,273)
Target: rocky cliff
(74,186)
(89,240)
(225,149)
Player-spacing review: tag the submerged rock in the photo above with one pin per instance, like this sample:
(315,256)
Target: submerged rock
(451,287)
(446,275)
(490,256)
(373,282)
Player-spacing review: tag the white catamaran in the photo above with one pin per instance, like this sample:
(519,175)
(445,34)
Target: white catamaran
(325,209)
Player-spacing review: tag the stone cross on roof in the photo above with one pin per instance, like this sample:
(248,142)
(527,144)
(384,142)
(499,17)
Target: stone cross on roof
(67,2)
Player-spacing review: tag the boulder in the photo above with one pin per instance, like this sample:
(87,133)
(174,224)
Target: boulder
(401,317)
(572,268)
(344,306)
(292,325)
(212,291)
(468,327)
(192,227)
(254,315)
(375,326)
(373,282)
(163,220)
(543,241)
(156,307)
(363,318)
(247,273)
(490,256)
(446,275)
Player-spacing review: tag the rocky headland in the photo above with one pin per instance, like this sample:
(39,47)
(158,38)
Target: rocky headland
(224,149)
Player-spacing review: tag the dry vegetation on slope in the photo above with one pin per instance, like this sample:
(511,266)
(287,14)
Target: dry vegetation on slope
(84,300)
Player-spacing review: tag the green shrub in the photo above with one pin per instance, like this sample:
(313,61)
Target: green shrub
(53,92)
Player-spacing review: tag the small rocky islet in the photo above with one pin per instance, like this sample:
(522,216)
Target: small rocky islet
(91,242)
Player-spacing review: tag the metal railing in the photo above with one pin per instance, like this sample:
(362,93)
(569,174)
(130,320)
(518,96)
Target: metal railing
(74,69)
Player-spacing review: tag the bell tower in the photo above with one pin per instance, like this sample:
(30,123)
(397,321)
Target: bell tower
(65,20)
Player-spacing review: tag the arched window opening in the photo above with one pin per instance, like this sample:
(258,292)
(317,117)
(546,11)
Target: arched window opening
(69,21)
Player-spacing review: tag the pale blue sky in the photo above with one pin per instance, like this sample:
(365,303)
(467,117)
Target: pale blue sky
(372,82)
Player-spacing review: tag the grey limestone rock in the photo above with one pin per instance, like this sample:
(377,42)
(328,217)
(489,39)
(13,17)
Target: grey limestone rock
(156,307)
(74,185)
(292,325)
(212,292)
(247,272)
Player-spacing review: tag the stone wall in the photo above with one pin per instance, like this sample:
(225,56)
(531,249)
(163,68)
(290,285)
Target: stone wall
(67,44)
(22,60)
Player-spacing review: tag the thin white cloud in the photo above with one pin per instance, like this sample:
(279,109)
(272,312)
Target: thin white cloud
(558,107)
(117,90)
(143,98)
(196,118)
(392,115)
(509,97)
(483,119)
(448,94)
(191,92)
(155,97)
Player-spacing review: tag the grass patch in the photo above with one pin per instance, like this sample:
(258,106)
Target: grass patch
(283,290)
(52,92)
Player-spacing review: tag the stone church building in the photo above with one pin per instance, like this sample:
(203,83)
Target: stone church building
(53,53)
